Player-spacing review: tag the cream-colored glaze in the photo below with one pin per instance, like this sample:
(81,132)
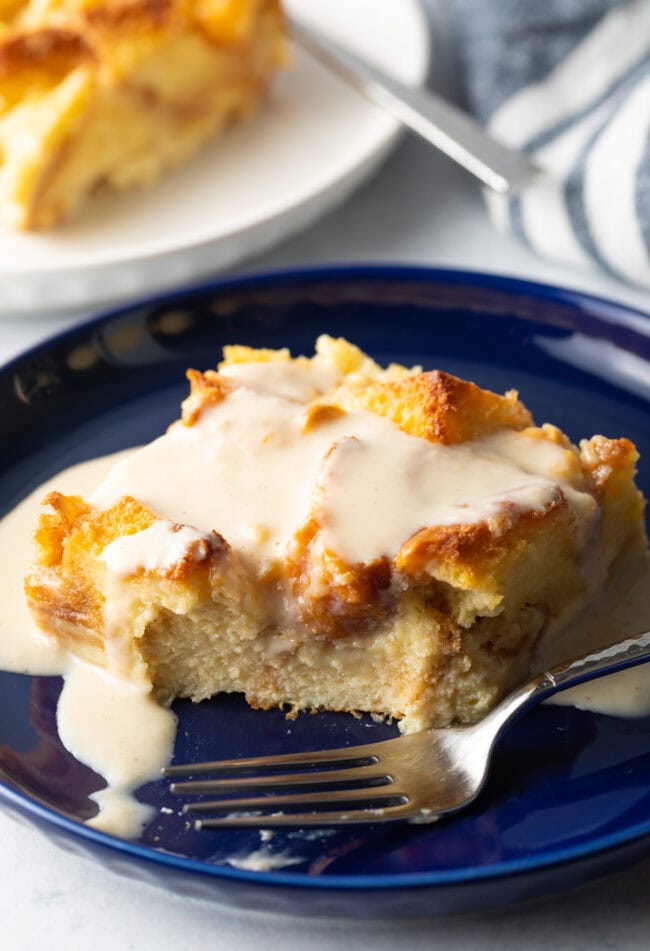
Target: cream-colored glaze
(377,490)
(626,694)
(262,860)
(112,725)
(248,470)
(300,382)
(116,727)
(157,548)
(22,647)
(545,457)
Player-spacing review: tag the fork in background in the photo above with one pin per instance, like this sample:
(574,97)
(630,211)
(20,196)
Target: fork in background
(503,169)
(418,777)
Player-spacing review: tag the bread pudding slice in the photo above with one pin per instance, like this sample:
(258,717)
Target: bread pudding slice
(326,533)
(101,94)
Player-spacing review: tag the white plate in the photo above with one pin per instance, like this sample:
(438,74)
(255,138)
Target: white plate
(314,141)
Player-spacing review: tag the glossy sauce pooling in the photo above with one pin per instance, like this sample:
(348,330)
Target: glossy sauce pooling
(112,725)
(157,548)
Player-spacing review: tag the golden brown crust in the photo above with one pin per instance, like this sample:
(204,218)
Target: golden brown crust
(104,32)
(336,599)
(206,390)
(605,459)
(237,353)
(203,557)
(69,538)
(433,405)
(52,50)
(145,14)
(319,413)
(478,547)
(67,583)
(437,406)
(225,20)
(480,556)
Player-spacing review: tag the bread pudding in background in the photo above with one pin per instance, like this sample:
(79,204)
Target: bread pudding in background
(107,94)
(327,533)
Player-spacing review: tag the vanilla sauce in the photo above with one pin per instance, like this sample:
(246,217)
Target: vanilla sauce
(252,454)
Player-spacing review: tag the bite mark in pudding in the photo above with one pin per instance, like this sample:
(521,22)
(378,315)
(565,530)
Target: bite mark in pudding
(328,533)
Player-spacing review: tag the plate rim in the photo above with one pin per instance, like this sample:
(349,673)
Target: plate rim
(635,319)
(631,316)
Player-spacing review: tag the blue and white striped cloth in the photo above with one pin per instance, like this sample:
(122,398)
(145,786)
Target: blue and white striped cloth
(569,81)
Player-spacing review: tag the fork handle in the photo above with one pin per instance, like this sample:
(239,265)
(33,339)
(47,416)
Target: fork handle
(628,653)
(449,129)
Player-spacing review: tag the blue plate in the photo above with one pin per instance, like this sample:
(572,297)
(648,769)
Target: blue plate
(569,795)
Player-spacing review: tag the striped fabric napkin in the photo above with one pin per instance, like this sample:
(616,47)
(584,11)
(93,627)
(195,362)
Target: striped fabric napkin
(569,81)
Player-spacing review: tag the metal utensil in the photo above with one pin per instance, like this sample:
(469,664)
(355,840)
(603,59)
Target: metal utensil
(446,127)
(418,777)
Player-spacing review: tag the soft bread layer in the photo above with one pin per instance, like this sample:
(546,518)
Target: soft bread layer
(421,669)
(430,634)
(109,95)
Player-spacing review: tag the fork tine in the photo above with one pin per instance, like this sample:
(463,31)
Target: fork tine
(346,756)
(304,819)
(378,800)
(362,774)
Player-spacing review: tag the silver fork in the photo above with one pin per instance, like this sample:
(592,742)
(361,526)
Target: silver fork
(446,127)
(418,777)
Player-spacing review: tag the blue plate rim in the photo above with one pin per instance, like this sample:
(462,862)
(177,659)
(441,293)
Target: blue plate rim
(637,320)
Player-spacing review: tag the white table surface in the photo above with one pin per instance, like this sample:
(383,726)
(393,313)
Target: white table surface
(418,209)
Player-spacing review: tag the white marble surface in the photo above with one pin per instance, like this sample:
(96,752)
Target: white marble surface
(418,209)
